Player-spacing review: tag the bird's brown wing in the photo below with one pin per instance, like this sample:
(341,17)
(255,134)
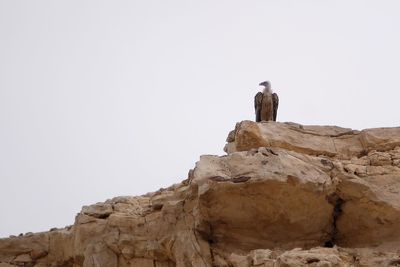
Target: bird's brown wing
(257,105)
(275,101)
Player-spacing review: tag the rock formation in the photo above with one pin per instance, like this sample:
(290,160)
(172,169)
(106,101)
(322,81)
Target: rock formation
(284,195)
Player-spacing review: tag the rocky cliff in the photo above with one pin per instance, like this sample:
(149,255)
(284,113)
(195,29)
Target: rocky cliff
(284,195)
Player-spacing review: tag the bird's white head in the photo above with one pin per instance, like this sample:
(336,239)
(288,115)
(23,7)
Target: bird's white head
(267,86)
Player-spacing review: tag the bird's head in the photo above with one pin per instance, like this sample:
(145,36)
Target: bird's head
(266,84)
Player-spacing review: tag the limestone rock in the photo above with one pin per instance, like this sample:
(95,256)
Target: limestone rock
(314,257)
(313,140)
(284,195)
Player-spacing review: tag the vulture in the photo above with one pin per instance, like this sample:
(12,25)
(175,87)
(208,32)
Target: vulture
(266,103)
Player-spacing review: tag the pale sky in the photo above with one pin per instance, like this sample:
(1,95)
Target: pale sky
(107,98)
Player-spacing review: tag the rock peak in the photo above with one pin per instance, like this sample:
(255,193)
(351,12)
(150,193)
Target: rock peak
(284,195)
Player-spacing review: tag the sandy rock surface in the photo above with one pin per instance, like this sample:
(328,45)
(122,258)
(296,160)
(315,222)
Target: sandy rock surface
(284,195)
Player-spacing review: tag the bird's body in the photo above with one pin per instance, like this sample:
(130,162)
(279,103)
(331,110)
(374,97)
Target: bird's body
(266,104)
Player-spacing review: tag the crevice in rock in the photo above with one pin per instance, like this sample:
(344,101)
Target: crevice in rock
(196,247)
(210,243)
(191,228)
(312,260)
(157,206)
(103,216)
(218,179)
(97,216)
(272,152)
(394,262)
(337,203)
(327,163)
(349,133)
(240,179)
(301,129)
(363,152)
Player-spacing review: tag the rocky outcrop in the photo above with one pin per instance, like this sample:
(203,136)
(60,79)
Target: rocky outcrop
(284,195)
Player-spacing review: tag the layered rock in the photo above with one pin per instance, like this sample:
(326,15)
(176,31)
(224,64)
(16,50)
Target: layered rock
(284,195)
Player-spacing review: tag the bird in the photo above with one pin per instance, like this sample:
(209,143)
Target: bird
(266,103)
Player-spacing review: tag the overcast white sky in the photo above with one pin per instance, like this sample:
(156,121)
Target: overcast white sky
(107,98)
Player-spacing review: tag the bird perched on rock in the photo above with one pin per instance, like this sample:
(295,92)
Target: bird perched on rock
(266,103)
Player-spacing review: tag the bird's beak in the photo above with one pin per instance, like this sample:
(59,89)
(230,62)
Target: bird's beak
(261,84)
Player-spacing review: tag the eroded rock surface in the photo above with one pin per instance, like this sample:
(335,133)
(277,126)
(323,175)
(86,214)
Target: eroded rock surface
(284,195)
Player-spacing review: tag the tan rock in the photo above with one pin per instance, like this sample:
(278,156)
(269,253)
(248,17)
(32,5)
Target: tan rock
(381,139)
(357,170)
(261,257)
(99,210)
(313,140)
(142,262)
(380,158)
(282,193)
(239,260)
(37,254)
(23,258)
(364,161)
(314,257)
(164,264)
